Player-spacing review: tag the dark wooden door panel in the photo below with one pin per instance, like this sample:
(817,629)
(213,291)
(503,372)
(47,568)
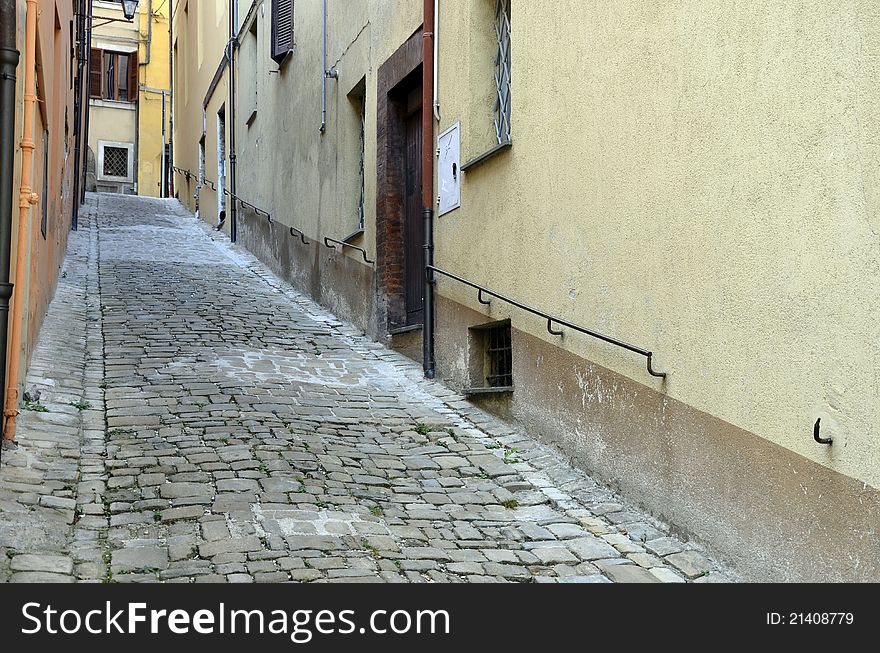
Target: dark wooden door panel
(414,227)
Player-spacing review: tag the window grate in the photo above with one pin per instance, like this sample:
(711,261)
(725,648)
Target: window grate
(502,71)
(499,353)
(116,162)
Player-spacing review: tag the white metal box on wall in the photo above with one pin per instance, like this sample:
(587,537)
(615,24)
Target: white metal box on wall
(449,169)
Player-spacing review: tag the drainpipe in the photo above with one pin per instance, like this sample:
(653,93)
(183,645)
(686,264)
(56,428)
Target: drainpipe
(149,36)
(428,184)
(171,97)
(88,100)
(27,198)
(8,63)
(233,205)
(77,118)
(162,180)
(436,46)
(323,66)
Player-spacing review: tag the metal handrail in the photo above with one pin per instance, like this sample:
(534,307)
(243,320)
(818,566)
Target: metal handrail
(293,230)
(551,319)
(349,245)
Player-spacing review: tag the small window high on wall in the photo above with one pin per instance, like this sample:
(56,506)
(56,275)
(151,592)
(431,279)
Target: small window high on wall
(282,29)
(502,71)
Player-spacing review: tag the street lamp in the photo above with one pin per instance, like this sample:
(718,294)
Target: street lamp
(129,7)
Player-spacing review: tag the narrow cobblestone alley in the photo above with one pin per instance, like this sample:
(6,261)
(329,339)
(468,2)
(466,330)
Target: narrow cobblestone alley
(191,418)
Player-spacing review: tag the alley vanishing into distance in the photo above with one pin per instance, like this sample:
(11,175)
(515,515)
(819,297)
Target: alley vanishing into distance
(191,418)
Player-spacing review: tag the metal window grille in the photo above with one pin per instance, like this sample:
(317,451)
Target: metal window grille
(502,71)
(115,161)
(499,354)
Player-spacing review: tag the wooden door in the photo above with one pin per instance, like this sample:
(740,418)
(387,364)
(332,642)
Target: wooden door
(414,226)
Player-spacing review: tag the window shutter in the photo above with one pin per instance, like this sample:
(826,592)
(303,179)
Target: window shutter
(96,73)
(133,77)
(282,28)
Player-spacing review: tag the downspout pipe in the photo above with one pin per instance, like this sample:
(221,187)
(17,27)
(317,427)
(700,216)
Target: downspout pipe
(163,180)
(436,46)
(77,118)
(171,9)
(233,205)
(27,198)
(9,57)
(149,36)
(428,184)
(87,104)
(323,66)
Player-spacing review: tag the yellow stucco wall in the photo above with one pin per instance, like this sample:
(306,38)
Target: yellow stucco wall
(696,179)
(699,178)
(312,181)
(116,124)
(121,123)
(154,76)
(194,69)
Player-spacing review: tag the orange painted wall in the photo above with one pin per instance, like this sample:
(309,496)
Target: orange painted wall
(55,117)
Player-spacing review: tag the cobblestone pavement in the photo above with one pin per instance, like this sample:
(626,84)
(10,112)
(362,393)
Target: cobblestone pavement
(194,419)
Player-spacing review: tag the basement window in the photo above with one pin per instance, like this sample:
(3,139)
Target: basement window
(115,162)
(491,356)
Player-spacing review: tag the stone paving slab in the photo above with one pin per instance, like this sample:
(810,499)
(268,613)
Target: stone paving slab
(204,422)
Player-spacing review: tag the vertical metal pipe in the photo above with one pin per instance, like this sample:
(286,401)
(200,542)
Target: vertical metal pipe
(323,66)
(233,225)
(9,57)
(436,47)
(27,198)
(428,184)
(171,86)
(87,104)
(77,115)
(149,36)
(164,177)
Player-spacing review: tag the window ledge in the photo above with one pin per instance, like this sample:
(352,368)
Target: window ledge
(350,238)
(405,329)
(504,390)
(485,156)
(112,104)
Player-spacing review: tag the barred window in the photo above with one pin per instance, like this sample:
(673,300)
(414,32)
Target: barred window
(502,71)
(115,161)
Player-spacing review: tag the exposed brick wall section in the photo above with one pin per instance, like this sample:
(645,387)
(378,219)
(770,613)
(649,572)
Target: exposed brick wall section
(396,75)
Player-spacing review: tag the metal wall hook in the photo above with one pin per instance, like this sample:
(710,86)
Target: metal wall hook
(818,438)
(660,375)
(296,232)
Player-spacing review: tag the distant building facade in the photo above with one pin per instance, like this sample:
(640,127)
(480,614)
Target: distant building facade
(130,98)
(696,185)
